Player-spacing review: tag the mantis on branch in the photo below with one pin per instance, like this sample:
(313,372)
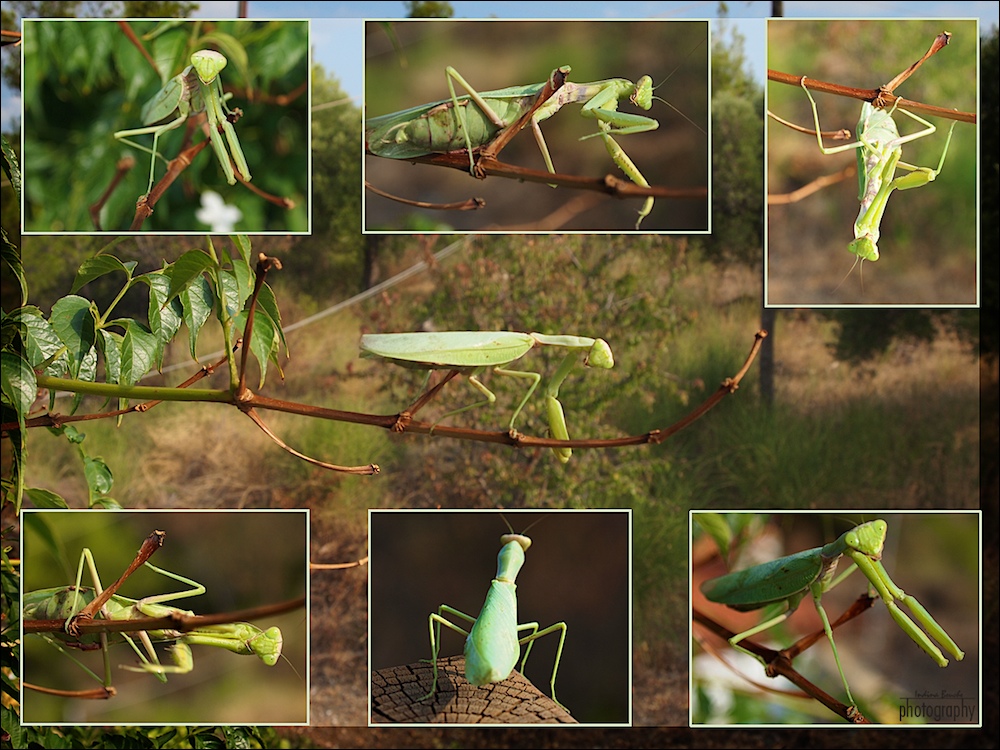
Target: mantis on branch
(777,587)
(196,89)
(675,159)
(888,139)
(240,587)
(472,352)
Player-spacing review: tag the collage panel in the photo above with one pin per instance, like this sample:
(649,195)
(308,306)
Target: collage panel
(606,118)
(225,564)
(433,569)
(114,135)
(914,661)
(900,246)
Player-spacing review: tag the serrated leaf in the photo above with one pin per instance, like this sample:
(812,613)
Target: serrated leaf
(230,293)
(45,499)
(111,343)
(197,302)
(39,339)
(11,167)
(138,353)
(268,305)
(18,383)
(165,317)
(73,321)
(245,278)
(186,270)
(101,265)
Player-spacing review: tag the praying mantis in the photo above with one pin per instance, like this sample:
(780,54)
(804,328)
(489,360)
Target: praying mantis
(779,586)
(673,155)
(421,558)
(472,121)
(471,352)
(197,88)
(493,644)
(222,551)
(804,221)
(64,603)
(879,150)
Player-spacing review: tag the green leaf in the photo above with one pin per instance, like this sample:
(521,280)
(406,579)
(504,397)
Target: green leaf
(165,317)
(715,525)
(138,353)
(45,499)
(12,257)
(40,340)
(242,243)
(197,300)
(94,268)
(17,381)
(187,269)
(111,347)
(268,305)
(73,321)
(99,477)
(10,166)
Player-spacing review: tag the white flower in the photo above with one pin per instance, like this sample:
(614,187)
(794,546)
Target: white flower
(220,217)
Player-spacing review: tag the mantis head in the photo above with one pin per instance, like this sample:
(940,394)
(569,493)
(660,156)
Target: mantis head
(208,64)
(643,94)
(867,538)
(267,645)
(600,355)
(864,247)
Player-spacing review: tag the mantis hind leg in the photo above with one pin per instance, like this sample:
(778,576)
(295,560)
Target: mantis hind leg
(817,595)
(534,636)
(434,622)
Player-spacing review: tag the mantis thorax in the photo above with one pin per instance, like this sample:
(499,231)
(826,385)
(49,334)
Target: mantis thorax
(511,556)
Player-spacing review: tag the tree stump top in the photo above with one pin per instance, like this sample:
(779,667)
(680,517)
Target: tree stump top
(396,692)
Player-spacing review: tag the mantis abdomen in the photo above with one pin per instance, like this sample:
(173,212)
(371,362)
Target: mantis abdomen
(491,648)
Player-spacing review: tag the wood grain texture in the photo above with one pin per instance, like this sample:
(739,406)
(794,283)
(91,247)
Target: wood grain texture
(396,690)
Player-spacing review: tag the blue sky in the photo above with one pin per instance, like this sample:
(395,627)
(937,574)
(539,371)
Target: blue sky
(338,36)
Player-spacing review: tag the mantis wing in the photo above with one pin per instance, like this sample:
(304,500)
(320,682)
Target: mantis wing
(767,583)
(448,348)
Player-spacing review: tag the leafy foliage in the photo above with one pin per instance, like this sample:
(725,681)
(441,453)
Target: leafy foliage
(77,101)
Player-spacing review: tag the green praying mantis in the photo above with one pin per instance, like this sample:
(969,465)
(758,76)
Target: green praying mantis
(785,582)
(197,88)
(493,644)
(471,352)
(471,122)
(879,151)
(66,602)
